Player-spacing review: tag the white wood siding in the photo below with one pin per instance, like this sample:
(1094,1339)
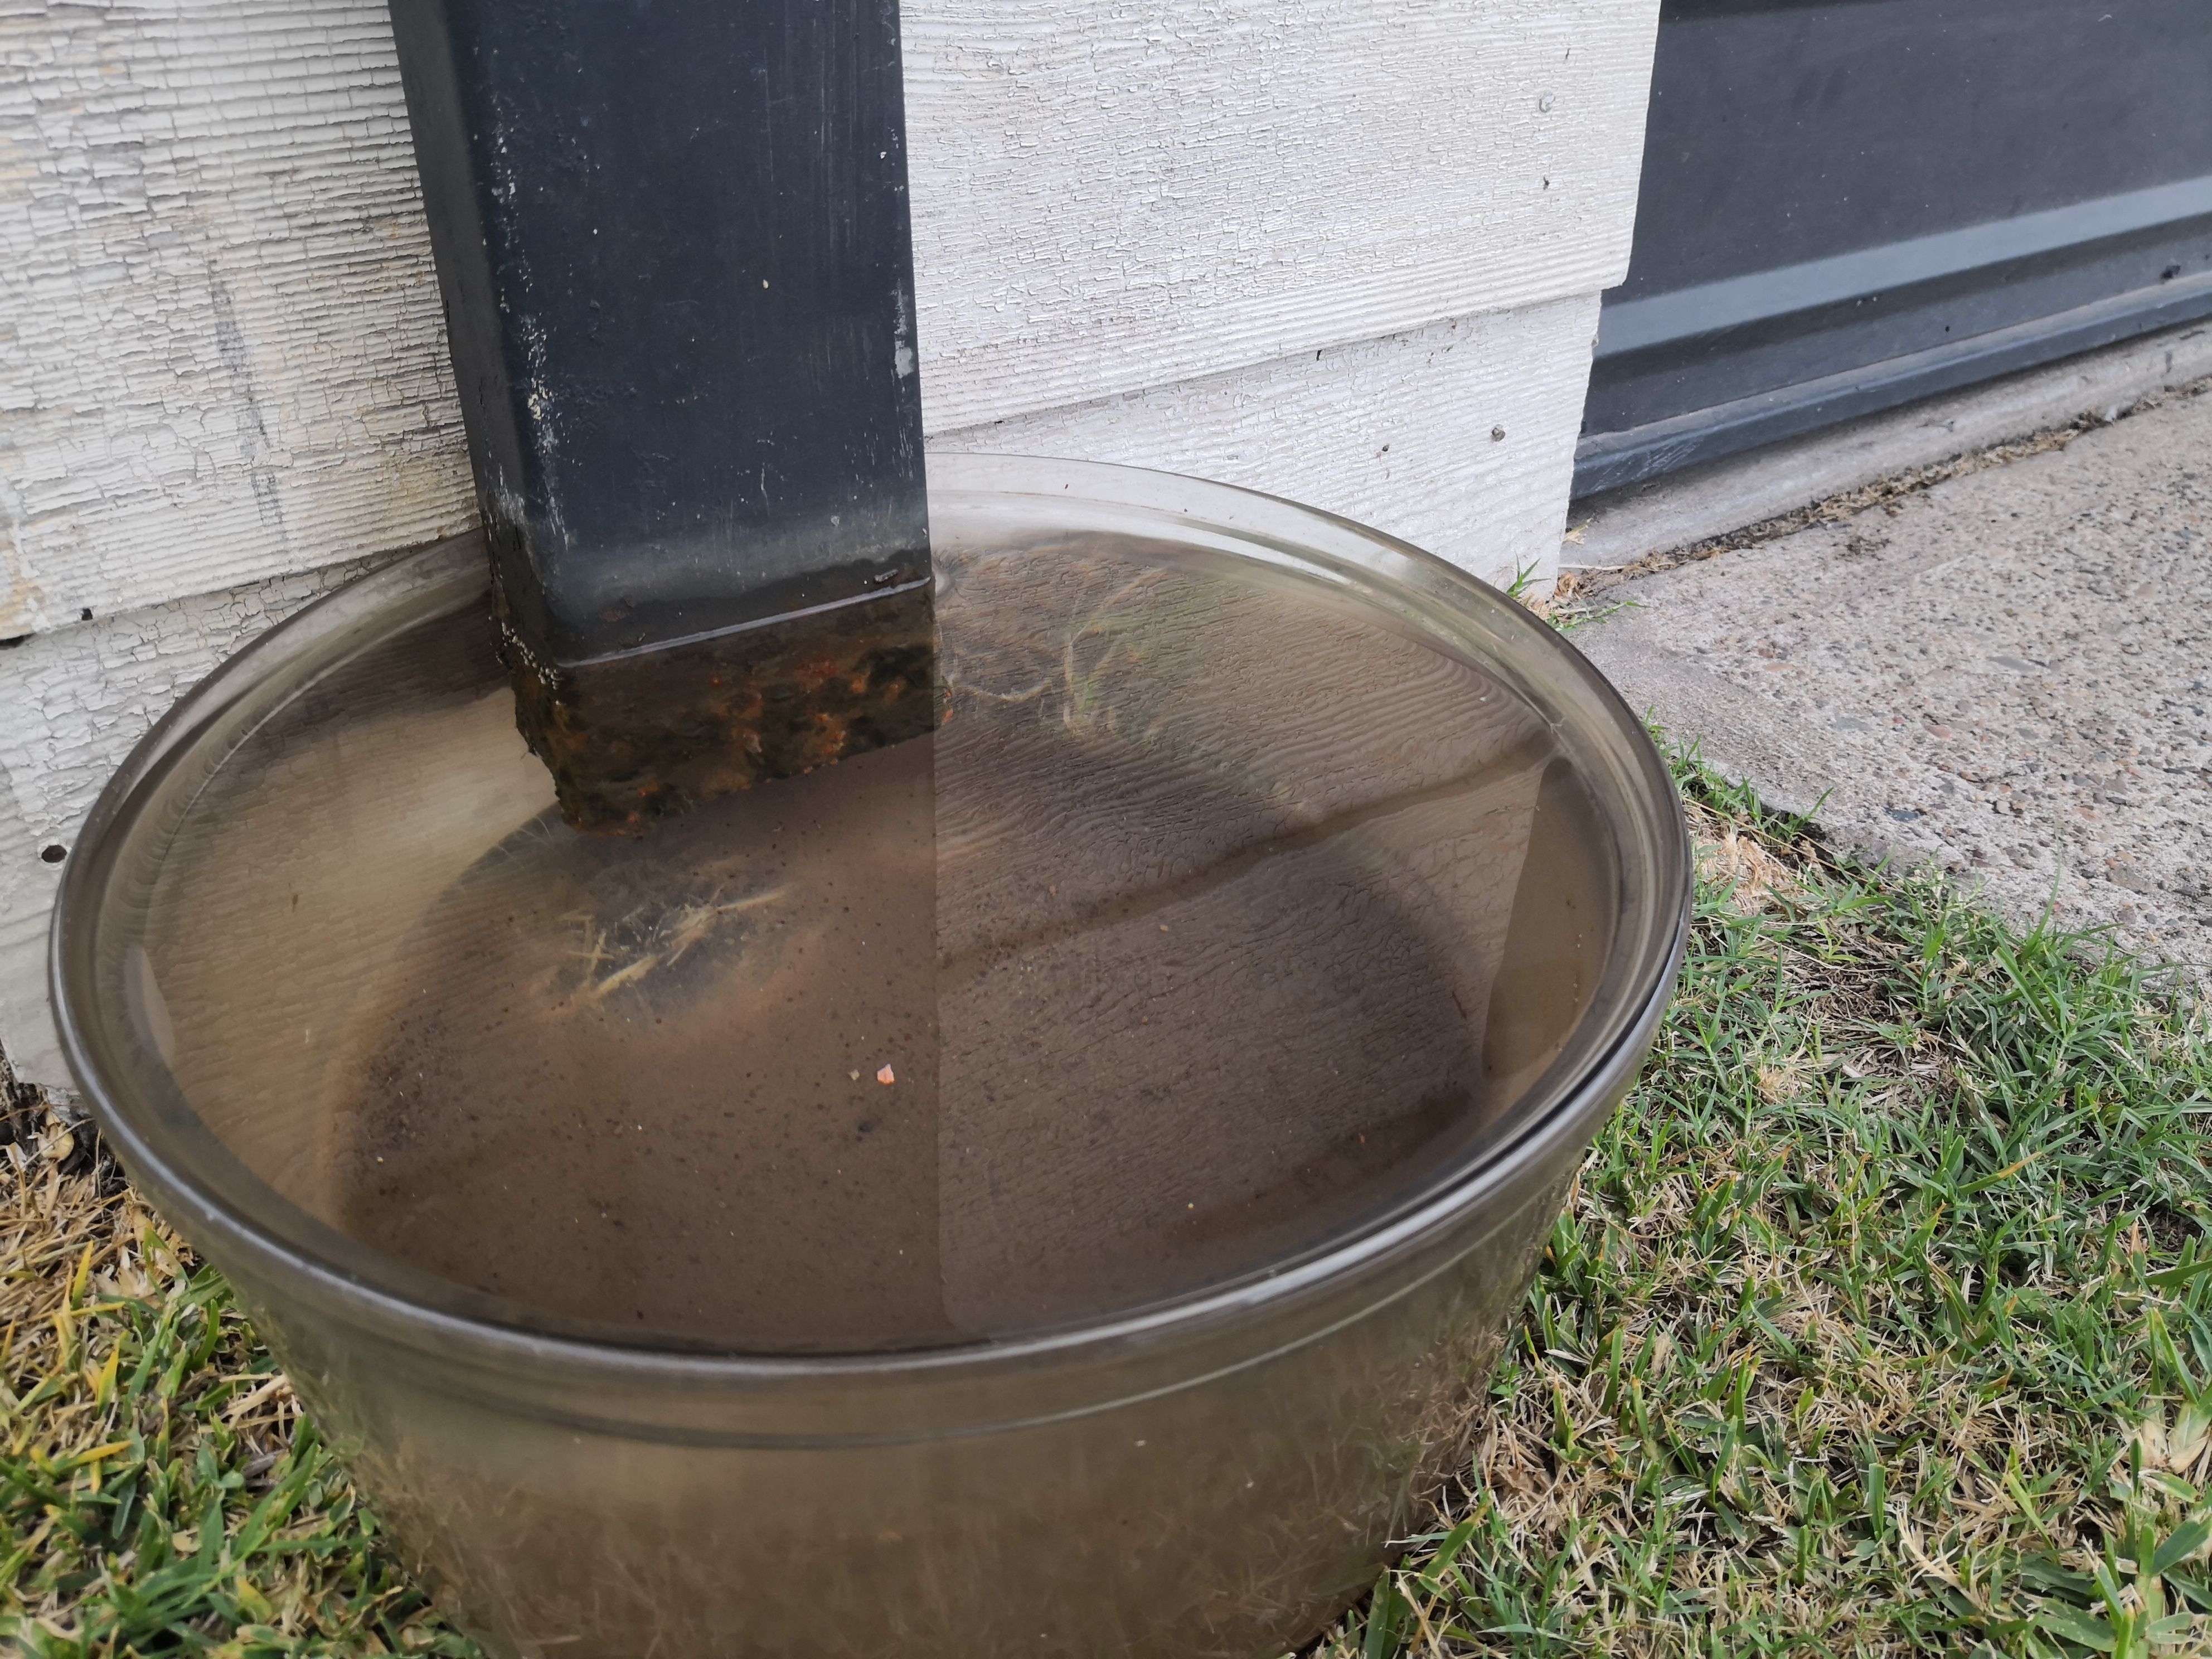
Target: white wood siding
(224,356)
(1323,247)
(1116,194)
(1458,437)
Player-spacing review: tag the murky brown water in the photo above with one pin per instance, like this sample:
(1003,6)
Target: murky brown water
(1098,996)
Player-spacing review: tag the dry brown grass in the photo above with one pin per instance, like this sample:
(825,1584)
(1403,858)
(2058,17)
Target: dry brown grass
(161,1491)
(1875,1323)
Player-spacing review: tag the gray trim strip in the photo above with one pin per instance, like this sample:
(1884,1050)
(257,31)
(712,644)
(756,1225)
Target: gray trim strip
(1638,324)
(1607,460)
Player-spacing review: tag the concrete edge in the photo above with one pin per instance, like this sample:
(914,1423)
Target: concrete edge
(1618,527)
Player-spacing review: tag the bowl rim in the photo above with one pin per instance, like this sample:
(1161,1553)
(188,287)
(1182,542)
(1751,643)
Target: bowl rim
(1558,1108)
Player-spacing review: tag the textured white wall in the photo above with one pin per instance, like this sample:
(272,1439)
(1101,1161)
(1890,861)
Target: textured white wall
(1116,194)
(223,354)
(1458,437)
(1324,247)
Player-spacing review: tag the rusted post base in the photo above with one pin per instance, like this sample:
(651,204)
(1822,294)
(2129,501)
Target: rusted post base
(672,245)
(631,738)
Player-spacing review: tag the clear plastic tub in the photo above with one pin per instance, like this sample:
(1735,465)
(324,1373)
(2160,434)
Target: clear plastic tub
(1058,1185)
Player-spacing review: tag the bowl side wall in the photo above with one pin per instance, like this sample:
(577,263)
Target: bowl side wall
(1230,1518)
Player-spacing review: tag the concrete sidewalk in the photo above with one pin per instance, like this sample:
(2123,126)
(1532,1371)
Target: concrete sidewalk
(2006,674)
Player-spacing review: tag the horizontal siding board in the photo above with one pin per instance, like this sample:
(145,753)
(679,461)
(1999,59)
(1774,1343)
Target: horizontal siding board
(1458,437)
(1116,194)
(223,355)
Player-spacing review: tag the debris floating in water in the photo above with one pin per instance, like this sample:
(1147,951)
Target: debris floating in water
(884,1076)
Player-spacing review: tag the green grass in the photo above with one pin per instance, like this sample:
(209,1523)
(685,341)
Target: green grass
(1878,1321)
(1878,1324)
(161,1493)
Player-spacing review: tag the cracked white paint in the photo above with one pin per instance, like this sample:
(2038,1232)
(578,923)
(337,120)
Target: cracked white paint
(1322,247)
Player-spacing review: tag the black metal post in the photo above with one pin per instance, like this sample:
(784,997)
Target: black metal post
(671,239)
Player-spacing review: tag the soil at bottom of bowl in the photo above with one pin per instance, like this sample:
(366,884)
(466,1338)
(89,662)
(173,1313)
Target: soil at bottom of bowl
(796,1073)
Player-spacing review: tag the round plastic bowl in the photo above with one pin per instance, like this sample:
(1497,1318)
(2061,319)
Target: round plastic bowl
(1289,907)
